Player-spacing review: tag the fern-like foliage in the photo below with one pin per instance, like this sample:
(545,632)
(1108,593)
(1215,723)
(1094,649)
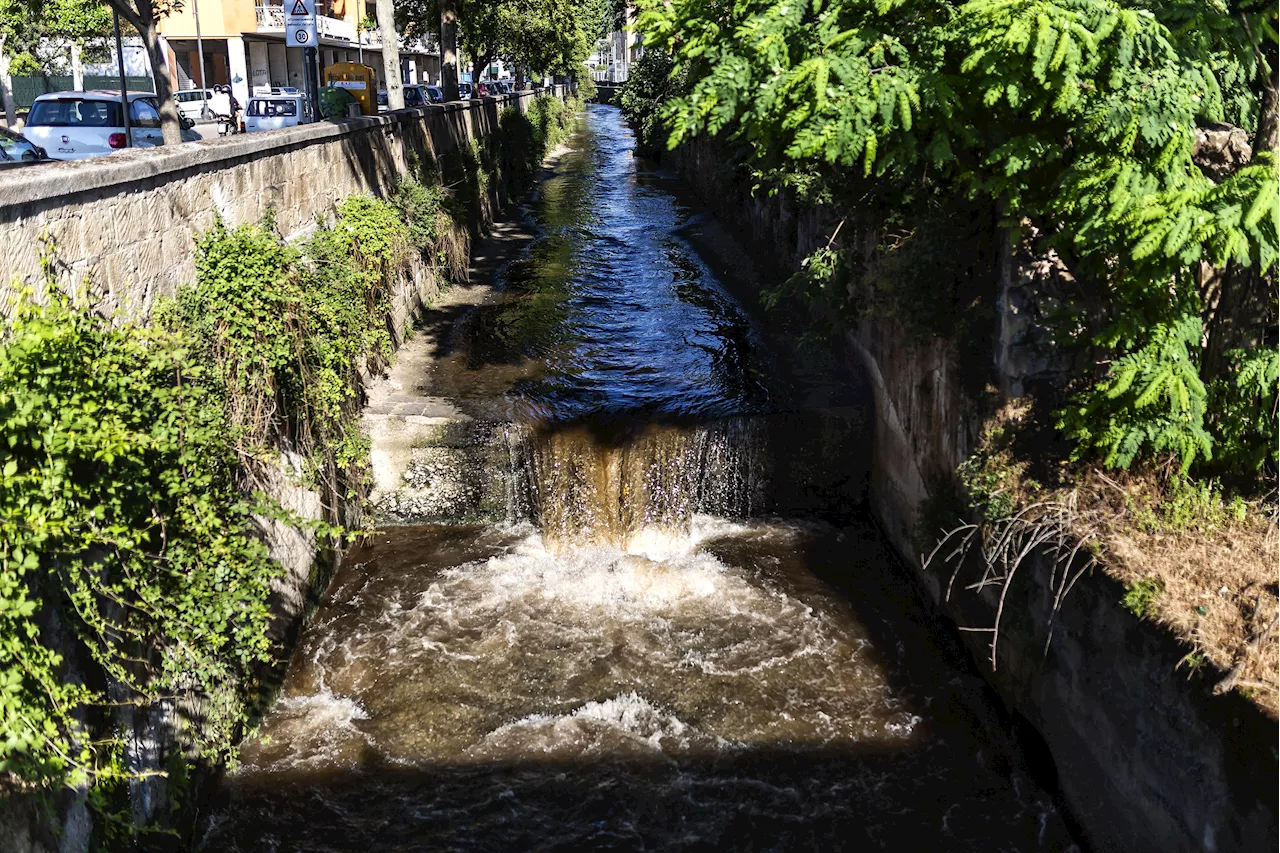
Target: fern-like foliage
(1152,399)
(1080,116)
(1244,408)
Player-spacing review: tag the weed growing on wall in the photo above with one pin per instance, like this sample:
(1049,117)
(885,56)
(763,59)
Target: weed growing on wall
(129,564)
(528,137)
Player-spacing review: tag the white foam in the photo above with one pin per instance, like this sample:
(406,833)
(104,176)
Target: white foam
(612,725)
(316,729)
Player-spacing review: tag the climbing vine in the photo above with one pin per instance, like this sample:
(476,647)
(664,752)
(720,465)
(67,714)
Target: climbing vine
(126,545)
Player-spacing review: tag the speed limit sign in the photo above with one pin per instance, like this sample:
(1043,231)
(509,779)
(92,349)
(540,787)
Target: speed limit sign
(300,25)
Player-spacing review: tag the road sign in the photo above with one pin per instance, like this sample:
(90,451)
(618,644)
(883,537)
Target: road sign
(300,23)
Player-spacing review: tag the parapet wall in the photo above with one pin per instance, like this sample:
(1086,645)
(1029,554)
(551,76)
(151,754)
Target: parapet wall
(128,222)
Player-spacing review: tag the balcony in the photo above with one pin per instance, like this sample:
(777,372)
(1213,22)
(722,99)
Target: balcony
(271,19)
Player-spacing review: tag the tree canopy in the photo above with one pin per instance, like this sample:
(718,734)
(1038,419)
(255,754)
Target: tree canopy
(552,36)
(1083,120)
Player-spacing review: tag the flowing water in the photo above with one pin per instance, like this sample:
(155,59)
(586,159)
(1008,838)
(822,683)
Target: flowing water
(641,660)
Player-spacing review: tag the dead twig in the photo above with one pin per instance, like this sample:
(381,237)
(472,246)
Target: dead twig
(1232,679)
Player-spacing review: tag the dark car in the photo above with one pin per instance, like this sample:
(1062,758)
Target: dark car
(435,93)
(464,90)
(17,151)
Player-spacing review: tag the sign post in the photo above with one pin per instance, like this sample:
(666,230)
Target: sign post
(301,31)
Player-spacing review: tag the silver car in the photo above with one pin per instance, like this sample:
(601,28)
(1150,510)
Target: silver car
(194,104)
(78,125)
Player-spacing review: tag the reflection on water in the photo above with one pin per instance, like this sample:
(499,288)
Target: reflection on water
(638,674)
(609,311)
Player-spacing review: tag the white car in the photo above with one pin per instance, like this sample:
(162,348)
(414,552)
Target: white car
(191,102)
(276,112)
(77,125)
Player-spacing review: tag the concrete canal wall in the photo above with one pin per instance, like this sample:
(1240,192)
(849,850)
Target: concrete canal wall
(1147,758)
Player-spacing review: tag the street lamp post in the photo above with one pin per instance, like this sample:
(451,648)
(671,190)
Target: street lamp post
(204,89)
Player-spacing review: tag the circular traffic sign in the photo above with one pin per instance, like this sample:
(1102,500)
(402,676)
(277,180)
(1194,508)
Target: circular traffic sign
(301,36)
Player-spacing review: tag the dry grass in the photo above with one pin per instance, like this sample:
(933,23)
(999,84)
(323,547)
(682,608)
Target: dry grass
(1202,567)
(1209,574)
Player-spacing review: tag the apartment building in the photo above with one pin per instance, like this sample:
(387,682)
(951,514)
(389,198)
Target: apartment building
(244,45)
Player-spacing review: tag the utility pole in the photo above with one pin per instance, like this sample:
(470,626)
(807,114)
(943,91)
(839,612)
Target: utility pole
(124,84)
(204,89)
(390,54)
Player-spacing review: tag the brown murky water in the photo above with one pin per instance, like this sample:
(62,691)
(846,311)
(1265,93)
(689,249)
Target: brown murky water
(652,667)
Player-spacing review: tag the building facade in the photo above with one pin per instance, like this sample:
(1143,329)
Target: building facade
(614,54)
(244,45)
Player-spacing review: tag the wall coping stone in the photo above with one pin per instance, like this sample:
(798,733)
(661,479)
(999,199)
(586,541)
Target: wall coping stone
(32,184)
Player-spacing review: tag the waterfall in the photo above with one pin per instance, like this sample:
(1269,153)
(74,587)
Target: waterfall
(583,485)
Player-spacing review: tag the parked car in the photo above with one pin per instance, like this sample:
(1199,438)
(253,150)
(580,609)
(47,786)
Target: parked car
(77,125)
(16,151)
(503,87)
(464,91)
(194,103)
(415,97)
(435,94)
(275,112)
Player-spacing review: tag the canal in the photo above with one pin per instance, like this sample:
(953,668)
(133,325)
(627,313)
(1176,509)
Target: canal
(648,655)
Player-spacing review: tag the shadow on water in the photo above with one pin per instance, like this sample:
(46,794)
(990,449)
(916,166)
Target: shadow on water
(849,727)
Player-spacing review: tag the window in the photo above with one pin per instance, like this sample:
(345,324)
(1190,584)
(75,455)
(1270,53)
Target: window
(73,112)
(412,97)
(15,148)
(268,109)
(143,113)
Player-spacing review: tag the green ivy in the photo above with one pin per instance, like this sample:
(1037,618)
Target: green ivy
(121,513)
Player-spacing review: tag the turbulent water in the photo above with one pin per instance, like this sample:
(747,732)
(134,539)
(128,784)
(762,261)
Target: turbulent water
(632,673)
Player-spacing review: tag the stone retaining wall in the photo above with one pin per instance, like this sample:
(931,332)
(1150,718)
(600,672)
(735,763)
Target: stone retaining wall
(127,222)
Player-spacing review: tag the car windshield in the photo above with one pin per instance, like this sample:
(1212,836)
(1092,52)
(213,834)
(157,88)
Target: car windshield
(273,108)
(75,112)
(412,97)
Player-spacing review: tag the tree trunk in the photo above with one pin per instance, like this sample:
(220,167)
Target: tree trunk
(170,124)
(449,48)
(478,65)
(6,89)
(77,68)
(390,54)
(1268,135)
